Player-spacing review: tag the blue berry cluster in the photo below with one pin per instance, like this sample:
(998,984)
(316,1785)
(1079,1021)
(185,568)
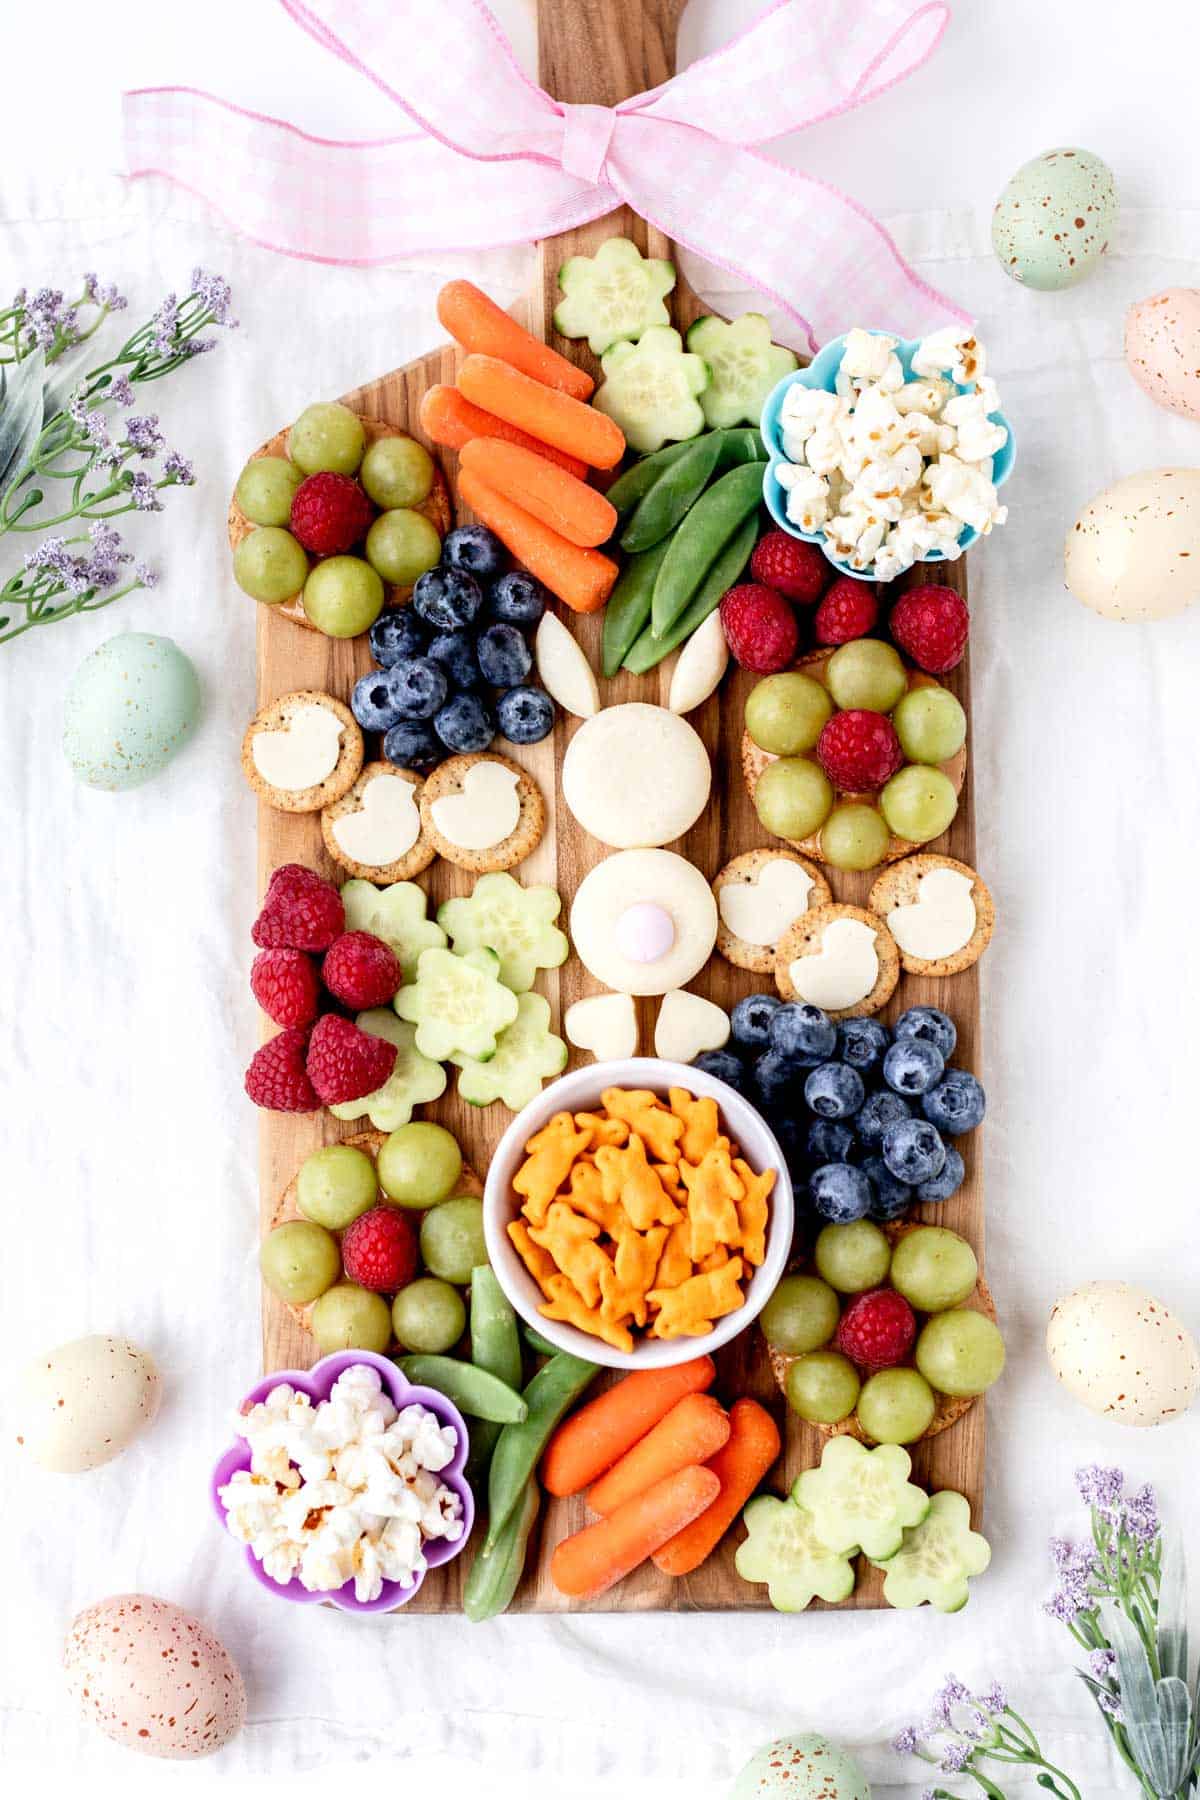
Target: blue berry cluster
(864,1113)
(454,665)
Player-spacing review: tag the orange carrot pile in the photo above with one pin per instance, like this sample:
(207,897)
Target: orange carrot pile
(545,413)
(602,1554)
(577,512)
(692,1431)
(583,579)
(592,1439)
(739,1466)
(478,324)
(450,420)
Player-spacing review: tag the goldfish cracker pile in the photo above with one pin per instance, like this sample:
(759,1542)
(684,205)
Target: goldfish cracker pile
(643,1214)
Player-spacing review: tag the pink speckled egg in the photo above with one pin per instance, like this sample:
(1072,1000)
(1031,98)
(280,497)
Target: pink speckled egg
(153,1678)
(1162,348)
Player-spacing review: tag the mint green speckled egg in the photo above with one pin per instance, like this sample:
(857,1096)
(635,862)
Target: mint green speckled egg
(1055,219)
(131,705)
(804,1766)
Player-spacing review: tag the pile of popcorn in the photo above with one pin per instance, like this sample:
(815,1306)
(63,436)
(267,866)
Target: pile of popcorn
(888,468)
(346,1490)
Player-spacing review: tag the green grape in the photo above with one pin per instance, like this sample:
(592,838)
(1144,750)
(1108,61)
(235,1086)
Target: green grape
(854,836)
(896,1406)
(934,1268)
(802,1314)
(852,1258)
(270,565)
(265,488)
(428,1316)
(327,436)
(397,471)
(931,725)
(822,1387)
(419,1164)
(960,1352)
(351,1318)
(793,797)
(299,1261)
(452,1242)
(785,713)
(335,1185)
(401,545)
(343,596)
(866,673)
(919,803)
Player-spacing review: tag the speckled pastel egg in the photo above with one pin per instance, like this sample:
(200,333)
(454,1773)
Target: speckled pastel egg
(153,1678)
(1055,219)
(1123,1354)
(80,1405)
(1134,551)
(805,1766)
(130,706)
(1162,348)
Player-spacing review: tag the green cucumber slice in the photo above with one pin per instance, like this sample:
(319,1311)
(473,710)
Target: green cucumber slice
(649,649)
(527,1054)
(784,1550)
(616,294)
(677,488)
(457,1003)
(513,921)
(719,512)
(414,1078)
(628,609)
(650,389)
(397,915)
(937,1558)
(744,365)
(862,1499)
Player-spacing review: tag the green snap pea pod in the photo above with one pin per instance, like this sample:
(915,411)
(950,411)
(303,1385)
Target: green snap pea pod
(496,1572)
(681,484)
(472,1390)
(720,511)
(496,1347)
(555,1387)
(740,444)
(640,476)
(649,649)
(629,605)
(537,1342)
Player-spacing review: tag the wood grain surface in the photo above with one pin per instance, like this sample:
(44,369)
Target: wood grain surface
(604,50)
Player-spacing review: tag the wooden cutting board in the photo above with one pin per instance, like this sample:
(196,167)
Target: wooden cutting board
(602,51)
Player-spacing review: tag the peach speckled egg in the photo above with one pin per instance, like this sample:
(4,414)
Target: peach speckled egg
(153,1678)
(1162,348)
(1123,1354)
(804,1766)
(83,1403)
(1134,551)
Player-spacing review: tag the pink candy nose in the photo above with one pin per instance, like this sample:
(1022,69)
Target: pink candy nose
(645,932)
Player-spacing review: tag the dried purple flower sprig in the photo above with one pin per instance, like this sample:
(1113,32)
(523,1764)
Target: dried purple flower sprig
(965,1730)
(46,320)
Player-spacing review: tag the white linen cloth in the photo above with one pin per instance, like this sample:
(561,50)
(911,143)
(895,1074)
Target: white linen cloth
(125,1024)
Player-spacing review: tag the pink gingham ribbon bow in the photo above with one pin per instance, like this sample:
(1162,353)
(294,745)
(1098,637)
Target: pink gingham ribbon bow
(494,160)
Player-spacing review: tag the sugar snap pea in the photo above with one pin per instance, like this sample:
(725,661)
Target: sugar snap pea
(640,476)
(720,511)
(681,483)
(496,1572)
(555,1387)
(740,444)
(650,649)
(537,1342)
(629,605)
(472,1390)
(496,1347)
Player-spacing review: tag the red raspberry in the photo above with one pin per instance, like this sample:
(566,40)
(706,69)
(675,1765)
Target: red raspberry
(932,624)
(859,750)
(330,513)
(300,912)
(285,985)
(360,970)
(379,1250)
(345,1063)
(760,628)
(877,1329)
(277,1078)
(849,610)
(793,568)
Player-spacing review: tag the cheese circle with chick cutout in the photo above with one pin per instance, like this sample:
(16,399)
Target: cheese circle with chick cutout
(303,751)
(644,921)
(486,810)
(636,776)
(384,828)
(941,919)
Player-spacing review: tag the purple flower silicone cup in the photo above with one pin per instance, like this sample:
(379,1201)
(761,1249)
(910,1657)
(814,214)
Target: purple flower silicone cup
(317,1383)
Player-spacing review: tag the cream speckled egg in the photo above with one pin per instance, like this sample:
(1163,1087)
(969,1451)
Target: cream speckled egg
(153,1678)
(804,1766)
(1123,1354)
(1162,348)
(83,1403)
(131,705)
(1134,551)
(1055,219)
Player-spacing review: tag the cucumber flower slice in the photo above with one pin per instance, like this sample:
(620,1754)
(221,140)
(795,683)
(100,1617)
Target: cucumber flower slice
(862,1499)
(937,1558)
(783,1550)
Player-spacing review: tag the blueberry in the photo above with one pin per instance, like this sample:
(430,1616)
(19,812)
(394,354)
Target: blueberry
(525,715)
(802,1034)
(830,1140)
(412,745)
(517,599)
(474,550)
(455,650)
(503,654)
(447,599)
(465,724)
(396,635)
(418,688)
(877,1112)
(750,1020)
(373,701)
(935,1027)
(890,1197)
(834,1091)
(840,1193)
(912,1065)
(913,1151)
(948,1182)
(723,1067)
(956,1104)
(777,1081)
(861,1042)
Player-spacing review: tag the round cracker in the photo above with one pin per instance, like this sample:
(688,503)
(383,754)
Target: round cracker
(760,958)
(521,842)
(418,857)
(805,935)
(897,886)
(340,778)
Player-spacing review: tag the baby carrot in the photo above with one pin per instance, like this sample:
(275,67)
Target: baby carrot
(577,512)
(583,579)
(692,1431)
(477,323)
(543,412)
(739,1466)
(602,1554)
(450,420)
(592,1439)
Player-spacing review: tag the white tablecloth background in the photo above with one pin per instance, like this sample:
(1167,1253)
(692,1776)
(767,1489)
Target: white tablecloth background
(125,1020)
